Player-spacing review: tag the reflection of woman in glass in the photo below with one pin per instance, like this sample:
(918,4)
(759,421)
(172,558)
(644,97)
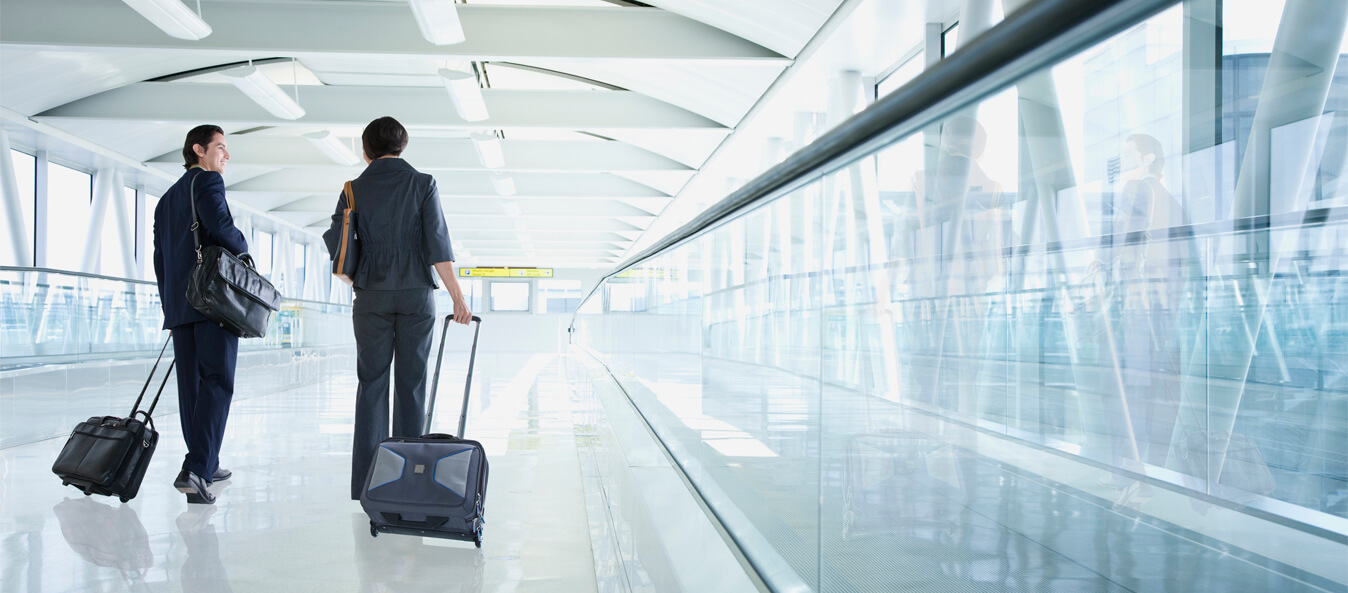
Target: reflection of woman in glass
(1146,277)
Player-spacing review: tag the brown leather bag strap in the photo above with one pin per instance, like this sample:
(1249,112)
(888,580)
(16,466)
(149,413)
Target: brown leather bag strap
(350,196)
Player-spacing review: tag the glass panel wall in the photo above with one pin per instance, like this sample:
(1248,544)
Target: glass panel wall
(50,317)
(1087,333)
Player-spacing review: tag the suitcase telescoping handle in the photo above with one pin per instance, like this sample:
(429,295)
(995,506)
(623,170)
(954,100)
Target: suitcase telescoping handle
(135,408)
(467,384)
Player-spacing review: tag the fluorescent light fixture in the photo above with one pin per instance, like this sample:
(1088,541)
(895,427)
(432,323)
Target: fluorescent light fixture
(172,17)
(512,209)
(264,92)
(465,93)
(488,149)
(439,21)
(505,186)
(331,146)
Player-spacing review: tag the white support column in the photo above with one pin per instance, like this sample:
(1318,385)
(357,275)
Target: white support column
(105,185)
(286,263)
(40,189)
(126,234)
(12,202)
(144,242)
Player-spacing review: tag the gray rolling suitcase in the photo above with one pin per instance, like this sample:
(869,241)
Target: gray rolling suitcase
(434,485)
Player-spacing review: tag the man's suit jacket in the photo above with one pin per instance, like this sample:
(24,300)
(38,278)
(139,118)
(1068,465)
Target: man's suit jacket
(174,253)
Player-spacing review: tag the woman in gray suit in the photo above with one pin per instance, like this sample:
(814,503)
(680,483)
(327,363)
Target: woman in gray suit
(403,238)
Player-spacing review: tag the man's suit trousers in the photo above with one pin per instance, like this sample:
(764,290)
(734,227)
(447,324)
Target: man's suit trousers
(392,327)
(206,355)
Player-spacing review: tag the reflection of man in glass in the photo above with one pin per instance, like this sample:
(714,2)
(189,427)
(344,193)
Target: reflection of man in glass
(1146,284)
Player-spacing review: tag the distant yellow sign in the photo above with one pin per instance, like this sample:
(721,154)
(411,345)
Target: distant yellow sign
(505,272)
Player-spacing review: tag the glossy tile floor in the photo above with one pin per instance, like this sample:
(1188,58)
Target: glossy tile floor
(284,521)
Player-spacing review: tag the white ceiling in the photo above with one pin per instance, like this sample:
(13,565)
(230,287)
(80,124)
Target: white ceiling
(607,109)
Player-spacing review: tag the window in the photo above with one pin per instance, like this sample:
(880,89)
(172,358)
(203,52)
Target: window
(558,296)
(509,296)
(261,252)
(950,40)
(25,172)
(912,67)
(68,210)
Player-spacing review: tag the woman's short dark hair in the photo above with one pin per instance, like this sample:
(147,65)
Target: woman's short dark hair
(383,137)
(202,135)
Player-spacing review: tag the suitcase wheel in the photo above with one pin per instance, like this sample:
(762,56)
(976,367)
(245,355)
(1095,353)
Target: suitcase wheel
(477,542)
(123,499)
(373,532)
(87,493)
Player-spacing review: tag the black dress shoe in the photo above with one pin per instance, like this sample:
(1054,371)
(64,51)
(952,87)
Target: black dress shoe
(194,487)
(221,474)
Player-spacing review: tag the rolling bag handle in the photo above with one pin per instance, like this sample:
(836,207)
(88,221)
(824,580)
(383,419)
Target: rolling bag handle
(435,380)
(151,377)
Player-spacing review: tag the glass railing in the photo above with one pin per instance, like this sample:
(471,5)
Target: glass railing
(1084,329)
(57,316)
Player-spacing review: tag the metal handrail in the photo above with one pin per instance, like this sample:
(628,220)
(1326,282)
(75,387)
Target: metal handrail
(136,281)
(1027,40)
(74,273)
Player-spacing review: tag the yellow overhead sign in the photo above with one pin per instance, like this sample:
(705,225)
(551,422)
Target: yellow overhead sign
(505,272)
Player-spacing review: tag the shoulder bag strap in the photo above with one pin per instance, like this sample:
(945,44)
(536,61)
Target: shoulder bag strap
(192,199)
(350,196)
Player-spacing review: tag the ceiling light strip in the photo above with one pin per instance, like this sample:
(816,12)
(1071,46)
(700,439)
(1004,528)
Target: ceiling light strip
(465,93)
(264,92)
(329,145)
(488,149)
(172,17)
(439,21)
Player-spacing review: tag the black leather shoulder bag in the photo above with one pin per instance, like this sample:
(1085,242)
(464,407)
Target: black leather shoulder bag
(226,290)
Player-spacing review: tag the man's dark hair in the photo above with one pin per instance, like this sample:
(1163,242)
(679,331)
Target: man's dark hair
(383,137)
(202,135)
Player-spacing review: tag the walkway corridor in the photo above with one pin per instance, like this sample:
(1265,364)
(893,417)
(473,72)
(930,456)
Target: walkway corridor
(284,523)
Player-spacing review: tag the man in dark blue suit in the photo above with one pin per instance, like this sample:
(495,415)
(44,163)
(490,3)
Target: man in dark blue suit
(206,352)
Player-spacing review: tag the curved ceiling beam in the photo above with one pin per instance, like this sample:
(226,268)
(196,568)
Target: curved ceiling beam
(165,102)
(265,29)
(454,184)
(456,154)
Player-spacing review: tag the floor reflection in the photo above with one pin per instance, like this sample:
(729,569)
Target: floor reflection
(203,571)
(407,564)
(107,535)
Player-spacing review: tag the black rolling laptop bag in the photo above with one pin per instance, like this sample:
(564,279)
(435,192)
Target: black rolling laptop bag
(434,485)
(108,455)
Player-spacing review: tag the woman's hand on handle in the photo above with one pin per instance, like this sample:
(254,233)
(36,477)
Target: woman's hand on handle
(446,272)
(461,312)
